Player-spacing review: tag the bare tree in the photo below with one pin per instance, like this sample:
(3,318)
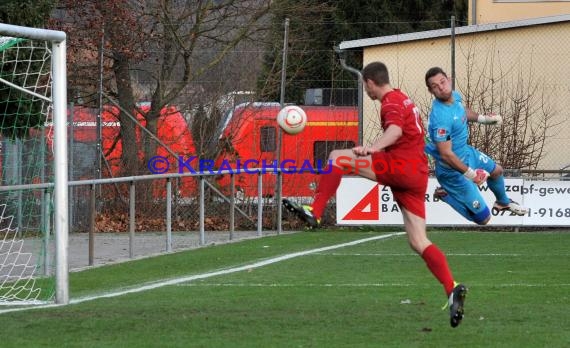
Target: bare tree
(519,96)
(166,44)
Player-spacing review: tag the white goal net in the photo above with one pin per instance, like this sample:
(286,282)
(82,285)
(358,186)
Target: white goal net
(33,167)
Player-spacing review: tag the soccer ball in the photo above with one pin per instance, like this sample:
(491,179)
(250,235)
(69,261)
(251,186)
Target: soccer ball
(292,119)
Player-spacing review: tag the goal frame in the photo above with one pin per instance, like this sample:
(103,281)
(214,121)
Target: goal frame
(59,104)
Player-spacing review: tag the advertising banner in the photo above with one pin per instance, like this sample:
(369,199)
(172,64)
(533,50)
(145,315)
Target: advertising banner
(363,202)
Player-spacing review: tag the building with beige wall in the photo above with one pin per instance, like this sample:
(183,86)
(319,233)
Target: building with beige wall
(518,68)
(495,11)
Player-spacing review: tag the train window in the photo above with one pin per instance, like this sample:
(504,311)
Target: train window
(321,150)
(267,139)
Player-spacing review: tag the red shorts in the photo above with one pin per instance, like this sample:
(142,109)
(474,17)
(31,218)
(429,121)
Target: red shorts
(407,177)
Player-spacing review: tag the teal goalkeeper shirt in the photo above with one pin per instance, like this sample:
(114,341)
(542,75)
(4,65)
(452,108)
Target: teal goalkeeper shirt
(448,122)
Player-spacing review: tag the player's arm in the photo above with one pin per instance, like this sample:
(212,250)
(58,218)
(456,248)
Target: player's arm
(450,158)
(393,117)
(491,118)
(389,137)
(472,116)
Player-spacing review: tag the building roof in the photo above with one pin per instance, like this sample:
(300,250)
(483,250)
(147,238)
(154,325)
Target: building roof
(432,34)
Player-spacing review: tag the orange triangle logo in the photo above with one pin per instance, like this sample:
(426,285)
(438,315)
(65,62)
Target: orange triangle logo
(368,208)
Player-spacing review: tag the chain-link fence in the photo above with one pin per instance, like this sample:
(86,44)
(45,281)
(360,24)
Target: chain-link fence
(519,72)
(247,141)
(223,122)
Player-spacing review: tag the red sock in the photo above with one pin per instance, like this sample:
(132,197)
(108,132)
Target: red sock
(437,264)
(326,188)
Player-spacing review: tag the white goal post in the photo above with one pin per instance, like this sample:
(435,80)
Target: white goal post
(60,183)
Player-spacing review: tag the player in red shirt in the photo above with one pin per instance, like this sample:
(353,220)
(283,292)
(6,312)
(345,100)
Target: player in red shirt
(396,159)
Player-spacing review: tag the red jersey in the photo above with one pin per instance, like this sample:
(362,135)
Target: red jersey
(403,165)
(398,109)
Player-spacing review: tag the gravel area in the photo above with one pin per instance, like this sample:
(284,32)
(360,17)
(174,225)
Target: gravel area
(115,247)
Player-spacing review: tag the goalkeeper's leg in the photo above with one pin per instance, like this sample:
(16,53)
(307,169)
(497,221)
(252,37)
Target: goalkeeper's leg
(496,183)
(463,196)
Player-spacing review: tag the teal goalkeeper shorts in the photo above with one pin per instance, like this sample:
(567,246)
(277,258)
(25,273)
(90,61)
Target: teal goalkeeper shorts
(462,189)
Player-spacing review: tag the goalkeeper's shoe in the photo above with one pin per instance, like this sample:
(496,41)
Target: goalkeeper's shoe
(304,212)
(456,301)
(512,206)
(439,193)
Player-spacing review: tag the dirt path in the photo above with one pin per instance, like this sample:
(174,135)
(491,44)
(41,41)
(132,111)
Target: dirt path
(111,247)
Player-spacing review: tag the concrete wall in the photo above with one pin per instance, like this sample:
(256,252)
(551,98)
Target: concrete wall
(494,11)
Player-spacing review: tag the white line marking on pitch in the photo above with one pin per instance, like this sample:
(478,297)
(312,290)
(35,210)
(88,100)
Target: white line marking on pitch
(415,255)
(356,285)
(211,274)
(310,285)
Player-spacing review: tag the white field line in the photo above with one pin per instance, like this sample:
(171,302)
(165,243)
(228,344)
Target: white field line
(363,285)
(446,254)
(176,281)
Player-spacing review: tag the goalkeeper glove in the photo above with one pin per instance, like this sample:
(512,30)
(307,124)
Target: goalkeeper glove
(492,118)
(478,176)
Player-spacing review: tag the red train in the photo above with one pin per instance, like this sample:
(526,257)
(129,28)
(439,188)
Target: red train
(250,133)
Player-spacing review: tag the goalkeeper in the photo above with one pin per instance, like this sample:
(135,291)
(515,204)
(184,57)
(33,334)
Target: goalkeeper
(460,168)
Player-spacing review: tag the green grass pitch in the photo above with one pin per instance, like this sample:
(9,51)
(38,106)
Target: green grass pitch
(376,293)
